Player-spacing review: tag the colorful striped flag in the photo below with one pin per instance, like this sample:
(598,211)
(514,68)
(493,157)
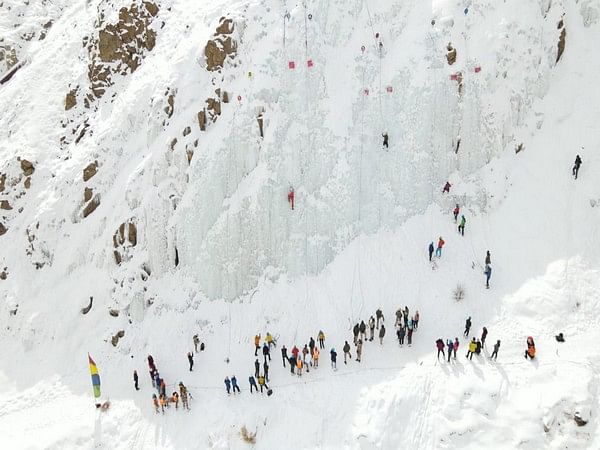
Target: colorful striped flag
(95,377)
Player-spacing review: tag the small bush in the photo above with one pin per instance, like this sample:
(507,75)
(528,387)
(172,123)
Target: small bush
(459,292)
(247,436)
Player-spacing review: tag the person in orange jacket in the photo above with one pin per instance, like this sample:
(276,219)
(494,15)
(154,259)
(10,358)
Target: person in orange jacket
(256,344)
(530,352)
(315,358)
(438,251)
(299,365)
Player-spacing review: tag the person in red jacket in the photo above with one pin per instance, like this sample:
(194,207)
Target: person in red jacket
(456,212)
(438,251)
(291,197)
(440,348)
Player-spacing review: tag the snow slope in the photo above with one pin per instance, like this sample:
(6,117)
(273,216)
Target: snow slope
(356,241)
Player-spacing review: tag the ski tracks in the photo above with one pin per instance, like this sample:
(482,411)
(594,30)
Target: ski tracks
(422,432)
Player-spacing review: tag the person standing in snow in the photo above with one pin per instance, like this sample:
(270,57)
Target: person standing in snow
(292,362)
(576,166)
(346,350)
(371,328)
(284,355)
(478,347)
(321,339)
(266,369)
(175,399)
(416,320)
(495,352)
(196,341)
(295,352)
(270,341)
(488,258)
(530,352)
(431,250)
(381,334)
(234,384)
(450,346)
(333,355)
(183,393)
(488,274)
(440,245)
(467,327)
(256,344)
(440,348)
(447,187)
(401,333)
(299,365)
(291,195)
(399,315)
(256,368)
(190,356)
(379,316)
(455,347)
(363,330)
(228,385)
(135,380)
(355,332)
(266,352)
(359,349)
(456,211)
(409,336)
(471,349)
(304,353)
(262,383)
(484,334)
(385,139)
(461,225)
(315,357)
(252,382)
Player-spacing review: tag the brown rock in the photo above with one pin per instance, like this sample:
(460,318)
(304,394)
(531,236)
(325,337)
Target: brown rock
(91,206)
(260,121)
(90,170)
(3,275)
(4,204)
(202,120)
(173,144)
(3,229)
(117,257)
(226,26)
(190,155)
(27,167)
(132,234)
(151,8)
(27,183)
(187,131)
(225,97)
(214,106)
(451,55)
(87,194)
(170,105)
(121,234)
(2,181)
(113,312)
(71,99)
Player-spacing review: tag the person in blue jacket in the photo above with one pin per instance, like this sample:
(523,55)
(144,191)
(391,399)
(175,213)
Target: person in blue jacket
(431,250)
(488,274)
(228,385)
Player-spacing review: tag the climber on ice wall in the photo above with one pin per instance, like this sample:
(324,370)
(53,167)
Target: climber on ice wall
(291,197)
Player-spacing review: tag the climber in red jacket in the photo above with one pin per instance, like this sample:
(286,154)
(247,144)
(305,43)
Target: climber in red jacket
(291,197)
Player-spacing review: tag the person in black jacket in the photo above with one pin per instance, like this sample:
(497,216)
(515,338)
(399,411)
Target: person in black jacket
(385,139)
(333,358)
(467,327)
(495,352)
(135,380)
(576,166)
(484,334)
(284,355)
(256,368)
(363,330)
(355,331)
(190,360)
(266,352)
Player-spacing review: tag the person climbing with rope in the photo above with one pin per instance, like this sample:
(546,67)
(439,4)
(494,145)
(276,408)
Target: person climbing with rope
(576,166)
(290,197)
(385,139)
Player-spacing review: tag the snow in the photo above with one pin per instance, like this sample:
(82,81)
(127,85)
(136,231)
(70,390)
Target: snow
(357,240)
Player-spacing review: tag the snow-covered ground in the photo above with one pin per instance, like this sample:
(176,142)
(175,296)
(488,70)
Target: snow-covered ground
(219,252)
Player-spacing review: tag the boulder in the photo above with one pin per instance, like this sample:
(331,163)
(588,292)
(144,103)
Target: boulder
(4,204)
(90,170)
(27,167)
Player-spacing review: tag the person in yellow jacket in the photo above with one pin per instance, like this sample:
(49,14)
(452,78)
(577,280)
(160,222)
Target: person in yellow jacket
(269,340)
(256,344)
(472,349)
(299,365)
(315,357)
(262,383)
(321,339)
